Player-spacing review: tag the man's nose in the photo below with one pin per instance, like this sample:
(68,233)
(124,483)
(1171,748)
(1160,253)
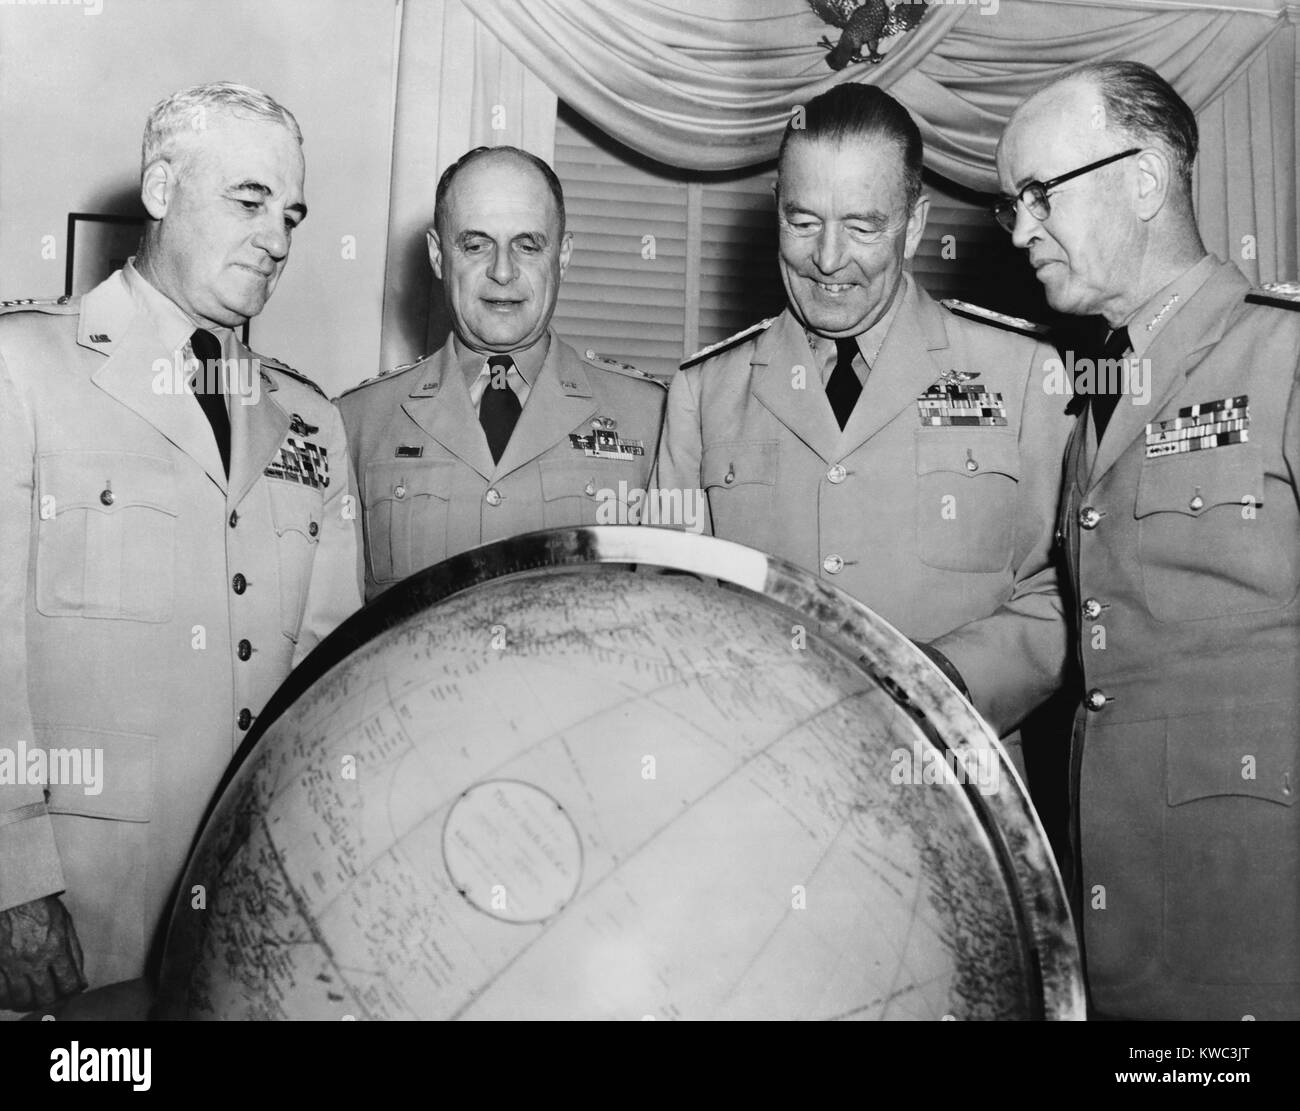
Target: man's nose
(829,255)
(273,237)
(1027,227)
(503,269)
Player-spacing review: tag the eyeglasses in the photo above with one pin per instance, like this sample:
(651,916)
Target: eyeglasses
(1035,193)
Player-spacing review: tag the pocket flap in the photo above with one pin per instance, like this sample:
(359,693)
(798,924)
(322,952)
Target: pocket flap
(99,774)
(740,462)
(968,451)
(400,479)
(1196,481)
(1242,750)
(105,481)
(295,508)
(571,478)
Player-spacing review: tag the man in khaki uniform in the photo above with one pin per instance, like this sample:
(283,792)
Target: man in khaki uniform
(905,453)
(1181,516)
(505,429)
(169,556)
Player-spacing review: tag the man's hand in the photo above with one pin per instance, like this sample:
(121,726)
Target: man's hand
(40,956)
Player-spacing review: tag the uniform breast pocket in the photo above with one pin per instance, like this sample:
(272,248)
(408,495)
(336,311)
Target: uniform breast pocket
(586,491)
(966,486)
(106,535)
(739,480)
(296,513)
(1201,548)
(406,505)
(1232,845)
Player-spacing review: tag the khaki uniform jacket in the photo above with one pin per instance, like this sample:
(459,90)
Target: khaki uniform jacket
(940,530)
(1186,569)
(148,607)
(428,483)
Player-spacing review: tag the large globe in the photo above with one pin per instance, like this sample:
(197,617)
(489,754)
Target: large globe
(546,779)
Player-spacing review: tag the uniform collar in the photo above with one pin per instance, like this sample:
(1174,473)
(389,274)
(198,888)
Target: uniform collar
(869,342)
(1154,316)
(528,360)
(172,325)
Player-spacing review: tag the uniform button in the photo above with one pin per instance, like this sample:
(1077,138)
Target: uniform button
(1095,699)
(1197,503)
(837,474)
(1091,608)
(244,650)
(971,465)
(590,489)
(399,491)
(1088,517)
(234,518)
(239,583)
(493,496)
(106,497)
(313,529)
(245,718)
(833,564)
(729,477)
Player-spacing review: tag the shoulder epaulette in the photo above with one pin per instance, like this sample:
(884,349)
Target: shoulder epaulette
(1282,295)
(383,374)
(606,363)
(276,364)
(729,342)
(996,319)
(60,305)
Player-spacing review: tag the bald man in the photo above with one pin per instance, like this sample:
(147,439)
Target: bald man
(1181,523)
(505,429)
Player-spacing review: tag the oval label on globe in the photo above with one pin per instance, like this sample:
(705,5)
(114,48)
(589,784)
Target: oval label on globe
(512,851)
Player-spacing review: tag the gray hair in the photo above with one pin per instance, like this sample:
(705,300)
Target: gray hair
(1143,106)
(186,111)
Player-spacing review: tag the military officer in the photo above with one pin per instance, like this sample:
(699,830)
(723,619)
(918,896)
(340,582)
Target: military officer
(1182,528)
(505,429)
(906,453)
(177,536)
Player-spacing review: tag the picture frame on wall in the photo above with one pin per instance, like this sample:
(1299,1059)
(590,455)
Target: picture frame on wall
(99,243)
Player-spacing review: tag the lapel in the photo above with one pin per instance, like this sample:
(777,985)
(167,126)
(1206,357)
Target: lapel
(1174,354)
(910,360)
(805,412)
(560,401)
(439,404)
(110,325)
(256,430)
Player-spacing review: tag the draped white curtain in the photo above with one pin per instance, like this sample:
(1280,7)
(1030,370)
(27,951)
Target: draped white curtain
(710,84)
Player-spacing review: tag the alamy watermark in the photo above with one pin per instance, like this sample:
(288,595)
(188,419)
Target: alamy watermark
(1097,377)
(241,378)
(36,766)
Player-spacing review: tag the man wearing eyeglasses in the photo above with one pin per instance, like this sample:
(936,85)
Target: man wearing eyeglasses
(904,452)
(1181,525)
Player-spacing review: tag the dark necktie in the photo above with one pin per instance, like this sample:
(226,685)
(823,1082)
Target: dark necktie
(843,387)
(1103,404)
(210,390)
(500,408)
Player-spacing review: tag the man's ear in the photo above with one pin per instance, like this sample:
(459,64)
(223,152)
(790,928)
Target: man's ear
(157,185)
(916,225)
(566,252)
(1154,175)
(435,252)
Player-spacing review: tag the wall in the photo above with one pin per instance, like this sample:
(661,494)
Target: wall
(76,84)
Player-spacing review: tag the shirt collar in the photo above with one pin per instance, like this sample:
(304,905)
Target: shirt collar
(170,322)
(528,360)
(1154,316)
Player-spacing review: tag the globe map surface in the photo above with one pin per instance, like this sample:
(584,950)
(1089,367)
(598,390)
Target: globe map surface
(541,782)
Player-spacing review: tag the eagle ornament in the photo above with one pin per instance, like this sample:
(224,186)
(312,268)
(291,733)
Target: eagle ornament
(864,22)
